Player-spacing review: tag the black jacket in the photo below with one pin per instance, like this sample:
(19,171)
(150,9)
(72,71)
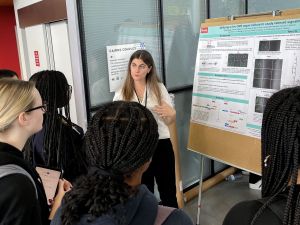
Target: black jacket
(243,212)
(18,202)
(69,161)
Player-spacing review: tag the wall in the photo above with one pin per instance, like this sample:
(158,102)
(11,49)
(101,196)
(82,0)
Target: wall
(75,51)
(255,6)
(24,66)
(8,45)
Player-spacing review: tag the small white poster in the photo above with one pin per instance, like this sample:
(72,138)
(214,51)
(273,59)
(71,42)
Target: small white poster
(117,61)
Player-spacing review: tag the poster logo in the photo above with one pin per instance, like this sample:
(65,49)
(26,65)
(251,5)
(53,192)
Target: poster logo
(204,30)
(142,45)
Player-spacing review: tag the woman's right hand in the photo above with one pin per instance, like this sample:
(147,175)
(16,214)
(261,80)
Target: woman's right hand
(166,112)
(63,187)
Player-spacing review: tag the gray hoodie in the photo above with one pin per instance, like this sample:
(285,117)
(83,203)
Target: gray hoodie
(138,210)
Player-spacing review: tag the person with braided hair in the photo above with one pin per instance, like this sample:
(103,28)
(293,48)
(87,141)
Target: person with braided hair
(58,144)
(280,138)
(119,143)
(142,85)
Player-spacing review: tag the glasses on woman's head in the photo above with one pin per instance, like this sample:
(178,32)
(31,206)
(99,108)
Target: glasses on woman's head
(42,107)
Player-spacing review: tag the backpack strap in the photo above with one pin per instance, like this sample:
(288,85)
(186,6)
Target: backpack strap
(163,213)
(276,206)
(9,169)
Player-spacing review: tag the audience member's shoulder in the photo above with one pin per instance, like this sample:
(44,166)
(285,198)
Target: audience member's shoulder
(242,213)
(18,185)
(178,217)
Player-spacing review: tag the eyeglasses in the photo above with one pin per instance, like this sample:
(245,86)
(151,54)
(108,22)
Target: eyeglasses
(42,107)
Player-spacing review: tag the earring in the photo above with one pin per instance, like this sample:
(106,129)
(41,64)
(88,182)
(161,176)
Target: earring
(266,160)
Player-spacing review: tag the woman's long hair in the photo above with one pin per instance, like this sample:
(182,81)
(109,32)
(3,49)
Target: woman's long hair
(58,139)
(280,151)
(151,78)
(121,137)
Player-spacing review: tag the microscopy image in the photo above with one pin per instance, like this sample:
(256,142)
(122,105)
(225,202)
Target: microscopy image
(257,83)
(276,74)
(263,74)
(269,46)
(237,60)
(277,65)
(275,85)
(260,104)
(267,73)
(259,63)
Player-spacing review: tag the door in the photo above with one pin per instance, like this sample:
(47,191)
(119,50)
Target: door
(48,49)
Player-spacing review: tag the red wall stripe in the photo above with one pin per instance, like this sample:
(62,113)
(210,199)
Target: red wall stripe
(9,58)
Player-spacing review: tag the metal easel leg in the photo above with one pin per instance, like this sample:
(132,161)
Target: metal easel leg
(200,189)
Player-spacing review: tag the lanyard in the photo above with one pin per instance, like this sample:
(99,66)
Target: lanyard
(139,98)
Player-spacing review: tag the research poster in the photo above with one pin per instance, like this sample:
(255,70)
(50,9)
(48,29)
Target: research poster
(117,61)
(238,68)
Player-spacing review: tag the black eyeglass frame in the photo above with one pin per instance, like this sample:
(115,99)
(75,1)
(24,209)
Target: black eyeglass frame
(43,107)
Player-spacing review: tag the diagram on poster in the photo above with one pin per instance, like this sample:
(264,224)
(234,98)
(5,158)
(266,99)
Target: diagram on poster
(117,60)
(238,68)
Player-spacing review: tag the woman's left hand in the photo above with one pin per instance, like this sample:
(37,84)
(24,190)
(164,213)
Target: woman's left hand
(166,112)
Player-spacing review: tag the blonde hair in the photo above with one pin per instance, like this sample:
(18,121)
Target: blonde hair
(151,78)
(16,96)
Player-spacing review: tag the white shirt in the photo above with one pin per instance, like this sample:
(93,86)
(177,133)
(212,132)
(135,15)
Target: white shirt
(163,129)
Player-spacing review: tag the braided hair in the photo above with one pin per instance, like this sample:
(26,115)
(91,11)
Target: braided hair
(280,152)
(120,138)
(58,139)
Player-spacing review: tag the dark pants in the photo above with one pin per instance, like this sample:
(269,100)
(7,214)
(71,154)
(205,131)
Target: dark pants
(162,168)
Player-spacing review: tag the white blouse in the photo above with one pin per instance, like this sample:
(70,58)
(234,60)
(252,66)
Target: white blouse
(163,129)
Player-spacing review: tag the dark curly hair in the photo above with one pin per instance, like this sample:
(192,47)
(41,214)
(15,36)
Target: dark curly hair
(121,137)
(280,146)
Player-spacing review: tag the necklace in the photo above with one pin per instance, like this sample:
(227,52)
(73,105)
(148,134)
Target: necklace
(141,100)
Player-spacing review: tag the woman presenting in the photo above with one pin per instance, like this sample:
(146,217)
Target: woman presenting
(142,85)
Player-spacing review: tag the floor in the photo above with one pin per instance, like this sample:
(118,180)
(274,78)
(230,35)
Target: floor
(217,201)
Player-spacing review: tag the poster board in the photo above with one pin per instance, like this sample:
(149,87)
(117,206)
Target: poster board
(239,147)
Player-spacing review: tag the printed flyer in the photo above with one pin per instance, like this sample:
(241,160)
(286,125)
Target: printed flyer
(117,61)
